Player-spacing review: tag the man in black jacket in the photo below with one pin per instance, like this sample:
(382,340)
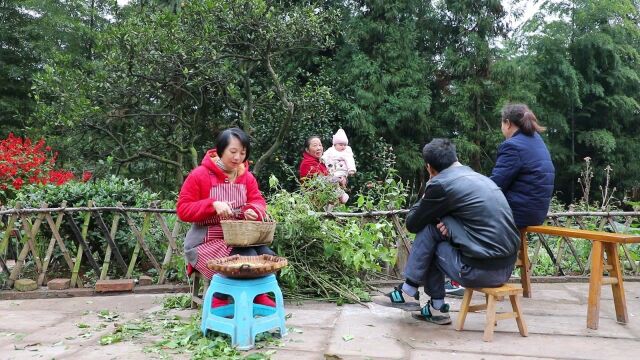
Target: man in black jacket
(464,229)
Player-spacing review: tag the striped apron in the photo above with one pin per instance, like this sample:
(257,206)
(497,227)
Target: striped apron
(214,246)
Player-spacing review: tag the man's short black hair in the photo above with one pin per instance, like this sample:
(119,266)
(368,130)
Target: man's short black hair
(224,138)
(439,154)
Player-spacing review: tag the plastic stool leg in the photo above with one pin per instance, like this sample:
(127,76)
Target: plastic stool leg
(280,310)
(206,309)
(243,318)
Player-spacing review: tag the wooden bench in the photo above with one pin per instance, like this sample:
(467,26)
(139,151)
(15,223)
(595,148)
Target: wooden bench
(603,242)
(492,295)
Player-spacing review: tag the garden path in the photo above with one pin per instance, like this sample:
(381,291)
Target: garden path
(71,329)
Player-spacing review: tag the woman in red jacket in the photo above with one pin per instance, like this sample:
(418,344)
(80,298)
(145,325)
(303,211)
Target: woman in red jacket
(220,188)
(312,166)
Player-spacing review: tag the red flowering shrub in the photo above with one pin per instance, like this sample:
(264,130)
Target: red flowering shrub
(86,176)
(25,162)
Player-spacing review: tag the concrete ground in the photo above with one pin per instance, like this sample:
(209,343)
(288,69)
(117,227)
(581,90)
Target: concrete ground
(555,316)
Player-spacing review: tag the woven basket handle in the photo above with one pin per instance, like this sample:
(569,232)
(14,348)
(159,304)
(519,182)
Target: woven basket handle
(264,215)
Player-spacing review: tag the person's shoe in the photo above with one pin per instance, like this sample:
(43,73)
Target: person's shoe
(395,299)
(265,300)
(216,302)
(344,198)
(437,316)
(452,288)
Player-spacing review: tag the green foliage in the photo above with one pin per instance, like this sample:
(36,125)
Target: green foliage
(330,257)
(162,83)
(104,192)
(181,301)
(180,336)
(379,72)
(141,90)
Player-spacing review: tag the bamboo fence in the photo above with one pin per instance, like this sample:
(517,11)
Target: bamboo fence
(37,234)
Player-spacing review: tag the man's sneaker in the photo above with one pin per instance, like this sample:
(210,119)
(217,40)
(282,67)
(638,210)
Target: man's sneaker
(452,288)
(437,316)
(395,299)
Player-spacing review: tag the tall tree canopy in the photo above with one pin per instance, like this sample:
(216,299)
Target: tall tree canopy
(141,90)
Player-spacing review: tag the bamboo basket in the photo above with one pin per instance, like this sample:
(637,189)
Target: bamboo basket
(244,233)
(246,267)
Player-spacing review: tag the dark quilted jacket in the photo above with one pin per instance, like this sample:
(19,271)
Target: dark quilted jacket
(525,174)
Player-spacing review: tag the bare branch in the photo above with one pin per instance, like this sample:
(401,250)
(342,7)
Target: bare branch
(144,154)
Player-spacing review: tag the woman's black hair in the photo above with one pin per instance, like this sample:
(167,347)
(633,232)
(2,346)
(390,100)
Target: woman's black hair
(307,142)
(522,117)
(224,138)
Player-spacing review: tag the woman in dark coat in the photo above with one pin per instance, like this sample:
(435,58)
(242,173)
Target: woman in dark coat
(524,170)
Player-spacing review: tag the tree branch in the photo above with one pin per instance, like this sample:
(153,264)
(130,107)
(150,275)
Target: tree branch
(284,126)
(144,154)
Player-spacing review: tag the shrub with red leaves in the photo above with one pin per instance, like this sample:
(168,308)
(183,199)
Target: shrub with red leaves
(24,162)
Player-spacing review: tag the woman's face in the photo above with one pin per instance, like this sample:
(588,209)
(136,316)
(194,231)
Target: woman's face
(508,128)
(234,154)
(315,148)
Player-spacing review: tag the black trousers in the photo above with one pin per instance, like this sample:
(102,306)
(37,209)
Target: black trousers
(432,256)
(252,251)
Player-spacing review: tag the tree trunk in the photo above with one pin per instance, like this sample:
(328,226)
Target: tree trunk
(284,126)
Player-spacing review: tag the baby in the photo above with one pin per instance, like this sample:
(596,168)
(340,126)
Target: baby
(339,158)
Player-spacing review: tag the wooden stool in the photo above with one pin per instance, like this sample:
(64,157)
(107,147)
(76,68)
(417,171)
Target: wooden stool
(196,298)
(490,306)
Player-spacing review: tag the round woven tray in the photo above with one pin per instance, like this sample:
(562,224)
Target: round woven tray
(246,267)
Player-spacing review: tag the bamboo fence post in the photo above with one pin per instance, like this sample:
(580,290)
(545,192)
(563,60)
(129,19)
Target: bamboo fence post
(4,266)
(172,247)
(571,246)
(50,248)
(624,246)
(107,252)
(402,243)
(111,245)
(17,268)
(7,232)
(83,246)
(31,231)
(600,228)
(543,242)
(140,243)
(29,245)
(536,250)
(559,253)
(55,230)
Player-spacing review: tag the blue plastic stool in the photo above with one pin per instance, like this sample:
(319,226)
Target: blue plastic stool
(244,326)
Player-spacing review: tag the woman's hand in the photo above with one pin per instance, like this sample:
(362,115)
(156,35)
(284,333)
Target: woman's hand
(250,214)
(223,210)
